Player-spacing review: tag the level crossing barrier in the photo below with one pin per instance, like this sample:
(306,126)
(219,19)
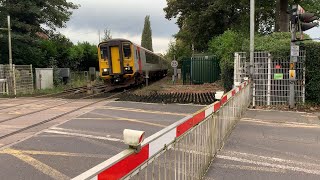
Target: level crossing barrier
(183,150)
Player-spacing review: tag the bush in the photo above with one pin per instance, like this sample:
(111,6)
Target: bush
(224,47)
(312,72)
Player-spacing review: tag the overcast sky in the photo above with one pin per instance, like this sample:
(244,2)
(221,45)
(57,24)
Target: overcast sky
(125,19)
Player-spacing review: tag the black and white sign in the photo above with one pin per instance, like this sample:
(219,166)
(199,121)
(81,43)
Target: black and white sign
(174,64)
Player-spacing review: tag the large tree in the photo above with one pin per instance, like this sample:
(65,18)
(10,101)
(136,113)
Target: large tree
(31,16)
(146,39)
(31,20)
(201,20)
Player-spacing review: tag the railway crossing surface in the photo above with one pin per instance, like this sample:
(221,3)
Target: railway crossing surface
(270,145)
(70,145)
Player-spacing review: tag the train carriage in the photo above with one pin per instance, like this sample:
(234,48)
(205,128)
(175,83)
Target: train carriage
(123,62)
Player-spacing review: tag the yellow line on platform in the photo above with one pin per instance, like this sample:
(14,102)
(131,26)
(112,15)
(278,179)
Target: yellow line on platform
(36,164)
(143,111)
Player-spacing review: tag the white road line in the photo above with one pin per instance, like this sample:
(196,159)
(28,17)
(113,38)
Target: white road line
(272,159)
(284,124)
(84,135)
(250,168)
(291,168)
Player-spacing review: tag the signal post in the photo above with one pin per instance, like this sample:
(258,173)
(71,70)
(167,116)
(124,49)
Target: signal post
(300,21)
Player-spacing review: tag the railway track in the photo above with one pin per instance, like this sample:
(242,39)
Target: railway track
(80,92)
(44,121)
(167,98)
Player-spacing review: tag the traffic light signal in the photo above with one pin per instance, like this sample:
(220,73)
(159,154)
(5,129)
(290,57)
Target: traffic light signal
(306,21)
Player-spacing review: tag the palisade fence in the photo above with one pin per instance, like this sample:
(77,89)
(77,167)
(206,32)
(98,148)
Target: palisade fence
(199,70)
(183,150)
(271,83)
(20,81)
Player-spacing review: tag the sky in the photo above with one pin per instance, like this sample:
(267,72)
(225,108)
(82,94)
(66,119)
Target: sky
(125,19)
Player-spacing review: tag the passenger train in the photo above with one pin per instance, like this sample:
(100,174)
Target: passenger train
(123,62)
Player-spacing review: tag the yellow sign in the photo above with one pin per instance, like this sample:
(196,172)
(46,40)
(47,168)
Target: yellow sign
(291,66)
(292,74)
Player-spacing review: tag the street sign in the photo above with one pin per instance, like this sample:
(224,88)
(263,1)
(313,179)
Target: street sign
(292,74)
(174,64)
(278,76)
(295,51)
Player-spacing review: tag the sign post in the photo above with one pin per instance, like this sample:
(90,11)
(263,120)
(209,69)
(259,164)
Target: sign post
(174,64)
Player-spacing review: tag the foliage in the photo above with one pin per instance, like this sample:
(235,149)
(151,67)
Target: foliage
(146,39)
(224,47)
(179,51)
(28,15)
(312,72)
(107,35)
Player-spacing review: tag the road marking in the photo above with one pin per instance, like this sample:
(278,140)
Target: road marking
(143,111)
(291,168)
(124,119)
(270,110)
(309,116)
(37,164)
(285,124)
(272,159)
(250,168)
(84,135)
(128,119)
(64,154)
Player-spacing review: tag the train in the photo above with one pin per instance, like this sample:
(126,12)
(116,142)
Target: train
(124,62)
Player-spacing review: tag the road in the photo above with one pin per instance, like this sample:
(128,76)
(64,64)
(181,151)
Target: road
(270,145)
(70,145)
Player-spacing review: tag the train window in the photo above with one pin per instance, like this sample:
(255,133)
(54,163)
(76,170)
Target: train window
(104,53)
(127,51)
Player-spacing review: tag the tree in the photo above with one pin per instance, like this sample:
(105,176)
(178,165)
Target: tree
(146,39)
(29,18)
(28,15)
(107,35)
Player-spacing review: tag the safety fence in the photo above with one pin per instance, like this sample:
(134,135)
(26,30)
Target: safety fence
(183,150)
(199,70)
(271,81)
(16,80)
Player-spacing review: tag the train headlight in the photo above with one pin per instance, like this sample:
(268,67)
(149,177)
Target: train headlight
(105,70)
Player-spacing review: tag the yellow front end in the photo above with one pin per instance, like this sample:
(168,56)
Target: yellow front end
(118,66)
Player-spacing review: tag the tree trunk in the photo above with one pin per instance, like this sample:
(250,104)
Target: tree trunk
(282,18)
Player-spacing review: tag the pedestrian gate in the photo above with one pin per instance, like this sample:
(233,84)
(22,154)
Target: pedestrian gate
(271,77)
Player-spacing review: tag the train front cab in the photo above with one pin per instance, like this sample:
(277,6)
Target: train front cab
(116,61)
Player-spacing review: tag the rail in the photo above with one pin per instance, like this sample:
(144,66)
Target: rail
(183,150)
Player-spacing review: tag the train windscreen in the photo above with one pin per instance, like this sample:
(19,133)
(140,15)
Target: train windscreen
(104,52)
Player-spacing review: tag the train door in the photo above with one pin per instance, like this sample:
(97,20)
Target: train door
(116,60)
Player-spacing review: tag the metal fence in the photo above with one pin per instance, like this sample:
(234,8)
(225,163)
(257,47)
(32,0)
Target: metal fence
(271,77)
(183,150)
(20,81)
(200,70)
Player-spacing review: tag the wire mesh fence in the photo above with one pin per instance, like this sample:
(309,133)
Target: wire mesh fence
(190,155)
(19,79)
(271,77)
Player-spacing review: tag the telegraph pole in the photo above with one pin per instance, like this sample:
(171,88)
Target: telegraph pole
(252,21)
(10,46)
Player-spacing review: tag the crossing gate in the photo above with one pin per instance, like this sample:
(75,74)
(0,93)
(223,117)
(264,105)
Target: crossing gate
(271,84)
(199,70)
(20,81)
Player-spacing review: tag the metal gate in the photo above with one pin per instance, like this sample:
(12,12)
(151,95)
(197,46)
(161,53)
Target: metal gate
(271,77)
(200,70)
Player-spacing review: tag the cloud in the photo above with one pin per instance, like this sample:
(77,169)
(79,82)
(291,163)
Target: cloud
(124,18)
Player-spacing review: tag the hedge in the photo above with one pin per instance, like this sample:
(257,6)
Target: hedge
(277,44)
